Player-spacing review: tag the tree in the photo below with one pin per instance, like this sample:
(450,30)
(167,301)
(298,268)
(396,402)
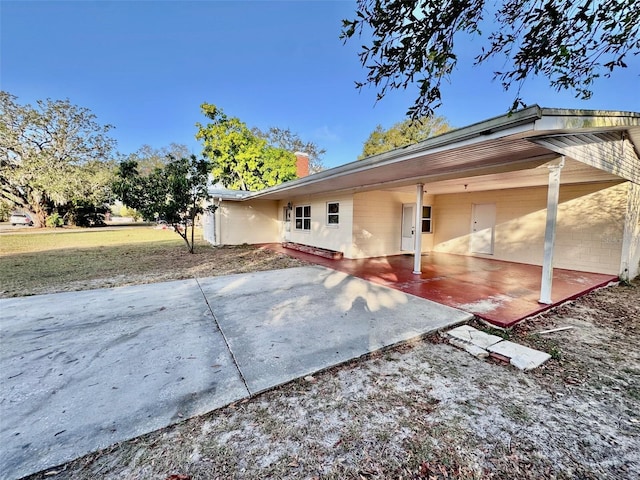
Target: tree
(570,42)
(52,157)
(402,134)
(285,139)
(174,192)
(241,160)
(150,158)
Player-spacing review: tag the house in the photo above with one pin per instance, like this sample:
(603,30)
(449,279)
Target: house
(550,187)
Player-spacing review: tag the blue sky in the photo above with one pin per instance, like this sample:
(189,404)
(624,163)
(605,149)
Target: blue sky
(147,66)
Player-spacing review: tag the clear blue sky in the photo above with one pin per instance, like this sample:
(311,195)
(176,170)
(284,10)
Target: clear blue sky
(147,66)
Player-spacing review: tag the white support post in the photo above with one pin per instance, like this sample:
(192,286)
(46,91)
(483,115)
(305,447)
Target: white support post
(417,237)
(553,194)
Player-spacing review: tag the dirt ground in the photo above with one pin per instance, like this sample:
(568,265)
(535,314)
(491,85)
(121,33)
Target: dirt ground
(425,411)
(83,269)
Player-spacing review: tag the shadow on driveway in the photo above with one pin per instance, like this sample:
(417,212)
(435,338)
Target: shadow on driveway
(83,370)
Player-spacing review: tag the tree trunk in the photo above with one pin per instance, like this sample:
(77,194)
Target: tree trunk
(193,226)
(176,228)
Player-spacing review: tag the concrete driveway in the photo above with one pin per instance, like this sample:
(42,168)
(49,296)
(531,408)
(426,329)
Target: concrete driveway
(80,371)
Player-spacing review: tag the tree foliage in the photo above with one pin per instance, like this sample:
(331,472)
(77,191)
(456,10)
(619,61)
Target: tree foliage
(53,158)
(150,158)
(174,192)
(569,42)
(402,134)
(285,139)
(242,160)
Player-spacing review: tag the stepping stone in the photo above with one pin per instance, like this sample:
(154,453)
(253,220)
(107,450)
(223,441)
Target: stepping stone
(469,348)
(519,356)
(473,336)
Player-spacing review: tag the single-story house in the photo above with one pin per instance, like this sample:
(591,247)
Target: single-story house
(551,187)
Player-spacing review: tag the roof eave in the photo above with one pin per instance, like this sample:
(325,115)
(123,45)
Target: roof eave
(528,122)
(498,126)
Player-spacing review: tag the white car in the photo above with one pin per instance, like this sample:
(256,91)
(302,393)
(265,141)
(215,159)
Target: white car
(21,219)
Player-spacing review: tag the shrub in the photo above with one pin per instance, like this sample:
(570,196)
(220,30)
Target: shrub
(85,214)
(5,211)
(54,220)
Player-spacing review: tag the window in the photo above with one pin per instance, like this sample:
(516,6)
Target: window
(303,217)
(426,219)
(333,213)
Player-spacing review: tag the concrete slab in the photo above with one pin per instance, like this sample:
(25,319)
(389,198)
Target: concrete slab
(474,350)
(521,357)
(83,370)
(288,324)
(80,371)
(473,336)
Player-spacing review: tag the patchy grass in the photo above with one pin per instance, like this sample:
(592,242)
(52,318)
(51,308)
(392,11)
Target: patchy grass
(65,260)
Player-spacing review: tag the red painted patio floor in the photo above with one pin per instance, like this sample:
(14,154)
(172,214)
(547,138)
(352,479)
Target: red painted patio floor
(502,293)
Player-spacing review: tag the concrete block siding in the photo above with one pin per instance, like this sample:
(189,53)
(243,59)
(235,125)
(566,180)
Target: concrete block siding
(589,233)
(590,229)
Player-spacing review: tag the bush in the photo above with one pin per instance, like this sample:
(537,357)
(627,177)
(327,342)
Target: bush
(5,211)
(84,214)
(54,220)
(130,212)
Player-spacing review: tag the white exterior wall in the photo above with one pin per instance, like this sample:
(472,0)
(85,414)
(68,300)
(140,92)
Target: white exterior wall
(247,222)
(378,223)
(333,237)
(630,261)
(589,232)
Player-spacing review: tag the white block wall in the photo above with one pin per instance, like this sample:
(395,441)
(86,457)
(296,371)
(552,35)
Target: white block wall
(378,223)
(247,222)
(589,230)
(332,237)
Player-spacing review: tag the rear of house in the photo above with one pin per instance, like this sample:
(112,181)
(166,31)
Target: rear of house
(560,187)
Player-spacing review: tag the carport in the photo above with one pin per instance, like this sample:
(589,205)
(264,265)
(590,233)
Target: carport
(502,293)
(551,189)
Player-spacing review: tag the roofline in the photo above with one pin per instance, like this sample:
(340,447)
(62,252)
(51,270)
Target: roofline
(521,121)
(478,129)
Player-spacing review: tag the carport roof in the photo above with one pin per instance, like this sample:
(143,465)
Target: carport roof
(502,152)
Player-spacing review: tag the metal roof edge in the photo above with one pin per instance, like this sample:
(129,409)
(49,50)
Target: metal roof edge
(478,129)
(503,125)
(573,112)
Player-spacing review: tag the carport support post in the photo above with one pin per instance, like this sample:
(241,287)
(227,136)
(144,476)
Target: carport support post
(417,237)
(553,194)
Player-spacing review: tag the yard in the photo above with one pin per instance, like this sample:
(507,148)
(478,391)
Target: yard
(420,411)
(34,262)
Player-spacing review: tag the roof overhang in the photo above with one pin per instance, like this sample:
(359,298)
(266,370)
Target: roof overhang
(502,152)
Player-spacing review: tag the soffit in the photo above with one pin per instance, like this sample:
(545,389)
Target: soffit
(573,172)
(490,157)
(501,150)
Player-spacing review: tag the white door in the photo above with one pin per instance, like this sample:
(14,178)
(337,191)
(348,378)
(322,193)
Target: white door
(408,227)
(286,224)
(483,223)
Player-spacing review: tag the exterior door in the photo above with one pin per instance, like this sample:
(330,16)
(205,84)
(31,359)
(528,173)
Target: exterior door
(483,226)
(286,224)
(408,227)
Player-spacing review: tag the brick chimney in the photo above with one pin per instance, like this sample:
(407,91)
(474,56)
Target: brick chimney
(302,164)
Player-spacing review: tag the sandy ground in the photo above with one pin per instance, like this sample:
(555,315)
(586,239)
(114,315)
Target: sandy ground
(425,411)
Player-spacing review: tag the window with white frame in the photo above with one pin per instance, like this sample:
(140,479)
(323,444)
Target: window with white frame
(333,213)
(303,217)
(427,224)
